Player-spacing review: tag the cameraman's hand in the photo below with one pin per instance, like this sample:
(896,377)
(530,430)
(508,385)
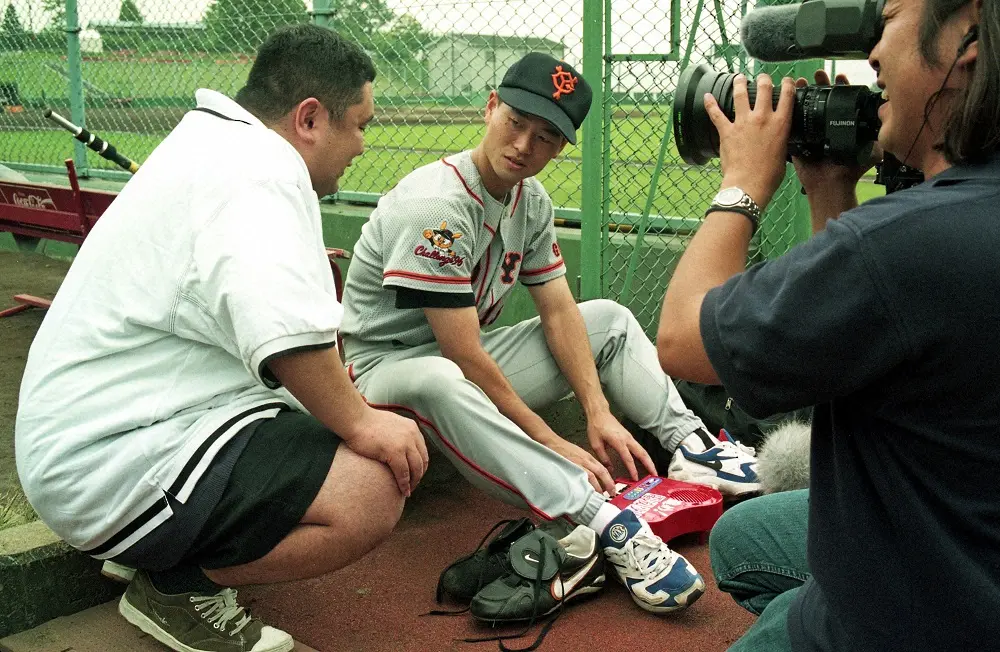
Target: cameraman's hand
(826,178)
(395,441)
(753,147)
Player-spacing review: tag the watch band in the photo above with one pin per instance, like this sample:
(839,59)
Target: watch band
(736,200)
(750,215)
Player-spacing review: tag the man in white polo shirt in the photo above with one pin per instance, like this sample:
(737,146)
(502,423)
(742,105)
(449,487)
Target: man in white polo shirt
(183,406)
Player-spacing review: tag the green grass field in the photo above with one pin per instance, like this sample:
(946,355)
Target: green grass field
(393,149)
(38,76)
(41,75)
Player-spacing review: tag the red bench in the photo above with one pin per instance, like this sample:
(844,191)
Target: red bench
(36,210)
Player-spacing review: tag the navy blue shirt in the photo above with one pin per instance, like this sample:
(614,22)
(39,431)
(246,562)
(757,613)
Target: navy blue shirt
(889,323)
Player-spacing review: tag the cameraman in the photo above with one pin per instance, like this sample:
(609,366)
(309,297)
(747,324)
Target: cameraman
(888,321)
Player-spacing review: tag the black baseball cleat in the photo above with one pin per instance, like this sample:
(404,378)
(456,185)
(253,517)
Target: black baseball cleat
(466,576)
(545,573)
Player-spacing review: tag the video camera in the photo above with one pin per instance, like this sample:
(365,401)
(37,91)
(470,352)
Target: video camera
(838,122)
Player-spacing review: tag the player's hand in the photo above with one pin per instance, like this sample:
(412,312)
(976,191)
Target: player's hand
(599,476)
(824,177)
(604,432)
(753,147)
(395,441)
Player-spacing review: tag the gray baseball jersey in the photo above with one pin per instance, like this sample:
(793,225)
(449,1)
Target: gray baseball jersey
(439,231)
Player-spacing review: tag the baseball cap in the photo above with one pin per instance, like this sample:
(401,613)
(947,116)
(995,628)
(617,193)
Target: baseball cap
(541,85)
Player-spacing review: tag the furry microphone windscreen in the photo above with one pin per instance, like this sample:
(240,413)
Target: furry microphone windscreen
(783,459)
(768,33)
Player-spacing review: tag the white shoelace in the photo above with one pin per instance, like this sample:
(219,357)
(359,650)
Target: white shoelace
(220,609)
(638,550)
(738,447)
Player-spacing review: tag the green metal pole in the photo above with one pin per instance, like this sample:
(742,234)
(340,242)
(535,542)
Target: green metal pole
(691,35)
(726,47)
(76,103)
(743,53)
(675,27)
(633,260)
(654,183)
(323,13)
(591,196)
(606,114)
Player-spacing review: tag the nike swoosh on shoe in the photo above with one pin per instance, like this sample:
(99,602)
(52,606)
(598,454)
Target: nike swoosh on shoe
(748,474)
(561,588)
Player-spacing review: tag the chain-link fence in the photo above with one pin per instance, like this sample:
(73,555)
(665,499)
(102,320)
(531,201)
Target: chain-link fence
(129,69)
(653,201)
(140,62)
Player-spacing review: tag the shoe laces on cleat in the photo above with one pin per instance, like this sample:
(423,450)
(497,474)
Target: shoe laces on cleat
(542,553)
(440,591)
(221,608)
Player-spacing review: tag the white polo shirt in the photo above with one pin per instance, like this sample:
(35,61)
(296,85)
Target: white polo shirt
(153,355)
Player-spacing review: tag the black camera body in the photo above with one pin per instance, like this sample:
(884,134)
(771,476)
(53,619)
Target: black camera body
(839,123)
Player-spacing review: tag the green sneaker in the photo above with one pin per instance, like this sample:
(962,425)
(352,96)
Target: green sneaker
(190,622)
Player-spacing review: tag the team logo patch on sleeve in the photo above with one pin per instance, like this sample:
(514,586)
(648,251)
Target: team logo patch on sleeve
(555,250)
(441,240)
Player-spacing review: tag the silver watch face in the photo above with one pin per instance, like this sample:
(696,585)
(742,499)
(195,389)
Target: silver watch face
(729,196)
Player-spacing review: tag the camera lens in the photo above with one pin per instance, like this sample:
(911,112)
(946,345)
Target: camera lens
(837,122)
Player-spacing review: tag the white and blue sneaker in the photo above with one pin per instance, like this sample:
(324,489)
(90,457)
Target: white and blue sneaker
(658,579)
(723,463)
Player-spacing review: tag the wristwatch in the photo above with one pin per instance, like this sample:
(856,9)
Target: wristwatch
(736,200)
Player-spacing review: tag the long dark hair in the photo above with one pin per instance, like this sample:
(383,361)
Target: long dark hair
(972,134)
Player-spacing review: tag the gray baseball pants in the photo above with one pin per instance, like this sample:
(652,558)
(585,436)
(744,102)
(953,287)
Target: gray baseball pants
(490,450)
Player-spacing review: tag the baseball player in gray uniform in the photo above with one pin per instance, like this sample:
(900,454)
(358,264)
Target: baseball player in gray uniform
(436,263)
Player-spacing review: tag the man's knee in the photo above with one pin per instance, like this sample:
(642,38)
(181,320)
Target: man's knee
(384,504)
(615,321)
(769,530)
(605,313)
(733,535)
(360,496)
(429,377)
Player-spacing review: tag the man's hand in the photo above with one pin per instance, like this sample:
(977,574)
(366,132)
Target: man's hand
(824,177)
(396,441)
(599,476)
(753,148)
(605,432)
(318,380)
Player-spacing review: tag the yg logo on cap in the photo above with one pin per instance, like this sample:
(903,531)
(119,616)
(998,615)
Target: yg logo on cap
(564,82)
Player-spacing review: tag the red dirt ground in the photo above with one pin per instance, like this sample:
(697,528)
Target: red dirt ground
(376,604)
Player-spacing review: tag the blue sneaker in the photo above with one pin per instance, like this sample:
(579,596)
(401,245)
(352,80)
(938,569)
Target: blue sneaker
(723,463)
(659,579)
